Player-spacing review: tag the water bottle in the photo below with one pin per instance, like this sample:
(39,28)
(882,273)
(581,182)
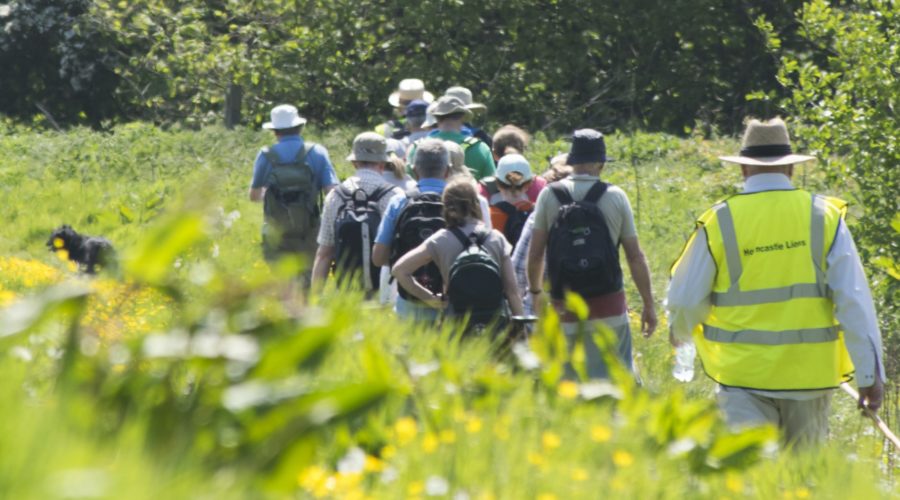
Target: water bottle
(683,371)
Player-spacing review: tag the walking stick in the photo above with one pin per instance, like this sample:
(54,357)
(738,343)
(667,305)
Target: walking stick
(873,416)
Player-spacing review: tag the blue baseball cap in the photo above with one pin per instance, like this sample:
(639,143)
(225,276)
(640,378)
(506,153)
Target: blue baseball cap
(416,108)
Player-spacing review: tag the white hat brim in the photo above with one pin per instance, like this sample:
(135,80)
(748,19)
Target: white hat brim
(476,107)
(770,161)
(296,122)
(394,99)
(373,158)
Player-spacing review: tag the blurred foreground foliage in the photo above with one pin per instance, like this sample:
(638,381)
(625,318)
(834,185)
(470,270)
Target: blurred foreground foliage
(239,393)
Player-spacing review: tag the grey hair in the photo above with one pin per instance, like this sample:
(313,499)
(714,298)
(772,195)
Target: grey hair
(432,159)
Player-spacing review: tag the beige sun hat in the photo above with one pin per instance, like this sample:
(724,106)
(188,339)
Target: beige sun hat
(369,147)
(284,116)
(410,89)
(465,95)
(448,105)
(766,144)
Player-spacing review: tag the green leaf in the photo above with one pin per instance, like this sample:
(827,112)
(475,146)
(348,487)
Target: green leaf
(152,259)
(28,314)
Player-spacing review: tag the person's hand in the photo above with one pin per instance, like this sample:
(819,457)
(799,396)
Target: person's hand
(871,397)
(648,320)
(437,302)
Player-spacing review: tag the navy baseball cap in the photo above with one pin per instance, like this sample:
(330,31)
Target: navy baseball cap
(416,108)
(588,146)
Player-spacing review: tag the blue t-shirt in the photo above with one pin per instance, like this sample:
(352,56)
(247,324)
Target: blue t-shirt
(287,149)
(389,220)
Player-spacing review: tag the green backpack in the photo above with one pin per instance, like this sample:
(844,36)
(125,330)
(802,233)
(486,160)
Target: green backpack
(291,206)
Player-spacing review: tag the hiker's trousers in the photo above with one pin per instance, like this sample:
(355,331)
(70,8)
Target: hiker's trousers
(803,422)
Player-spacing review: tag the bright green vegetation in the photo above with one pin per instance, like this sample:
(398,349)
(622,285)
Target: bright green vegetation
(190,378)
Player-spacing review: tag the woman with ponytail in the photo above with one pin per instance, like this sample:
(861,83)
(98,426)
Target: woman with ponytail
(462,213)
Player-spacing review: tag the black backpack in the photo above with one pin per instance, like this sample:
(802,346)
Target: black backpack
(422,216)
(581,255)
(515,221)
(355,228)
(475,287)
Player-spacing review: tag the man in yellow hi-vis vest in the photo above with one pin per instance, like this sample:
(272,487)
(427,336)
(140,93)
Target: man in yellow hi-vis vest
(771,289)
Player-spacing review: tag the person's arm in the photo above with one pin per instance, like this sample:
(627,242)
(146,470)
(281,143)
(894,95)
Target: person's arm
(509,287)
(321,265)
(405,267)
(535,268)
(381,254)
(328,178)
(260,172)
(687,301)
(640,273)
(855,311)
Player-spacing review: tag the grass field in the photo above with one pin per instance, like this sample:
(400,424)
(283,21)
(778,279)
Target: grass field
(187,377)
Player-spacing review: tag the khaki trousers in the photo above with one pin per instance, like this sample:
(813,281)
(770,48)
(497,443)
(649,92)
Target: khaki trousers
(803,422)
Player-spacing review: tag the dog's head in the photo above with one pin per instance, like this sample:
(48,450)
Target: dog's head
(62,237)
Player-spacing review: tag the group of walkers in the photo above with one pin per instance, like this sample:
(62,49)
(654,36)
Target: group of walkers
(445,221)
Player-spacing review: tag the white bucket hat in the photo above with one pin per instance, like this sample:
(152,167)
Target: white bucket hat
(766,144)
(410,89)
(284,116)
(465,95)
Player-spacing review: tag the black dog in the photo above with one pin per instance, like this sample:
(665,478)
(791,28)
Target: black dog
(87,251)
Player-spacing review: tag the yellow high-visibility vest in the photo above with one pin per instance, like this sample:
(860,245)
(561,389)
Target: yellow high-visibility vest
(771,325)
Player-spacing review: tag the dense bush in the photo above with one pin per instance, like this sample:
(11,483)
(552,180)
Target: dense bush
(554,65)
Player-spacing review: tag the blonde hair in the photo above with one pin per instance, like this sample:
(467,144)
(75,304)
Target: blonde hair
(396,165)
(558,168)
(460,202)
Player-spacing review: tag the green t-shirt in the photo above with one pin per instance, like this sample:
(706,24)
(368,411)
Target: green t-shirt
(478,159)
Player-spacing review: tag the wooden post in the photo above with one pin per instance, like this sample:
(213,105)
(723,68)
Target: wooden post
(233,97)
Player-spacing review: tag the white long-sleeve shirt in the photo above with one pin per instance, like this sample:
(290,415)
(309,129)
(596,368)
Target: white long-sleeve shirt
(688,300)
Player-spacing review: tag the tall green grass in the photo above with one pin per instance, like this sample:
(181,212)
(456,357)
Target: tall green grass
(340,400)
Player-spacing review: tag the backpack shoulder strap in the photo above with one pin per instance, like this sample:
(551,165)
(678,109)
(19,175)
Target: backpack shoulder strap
(490,184)
(270,155)
(461,236)
(379,193)
(597,190)
(480,236)
(508,208)
(303,153)
(562,193)
(471,140)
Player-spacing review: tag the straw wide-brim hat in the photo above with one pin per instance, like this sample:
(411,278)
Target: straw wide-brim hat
(465,95)
(410,89)
(766,144)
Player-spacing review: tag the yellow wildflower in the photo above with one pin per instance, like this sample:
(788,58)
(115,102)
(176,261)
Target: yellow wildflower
(373,464)
(801,492)
(622,458)
(546,496)
(601,433)
(447,436)
(567,389)
(314,479)
(550,441)
(579,474)
(535,458)
(430,443)
(405,430)
(388,452)
(734,484)
(473,425)
(415,488)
